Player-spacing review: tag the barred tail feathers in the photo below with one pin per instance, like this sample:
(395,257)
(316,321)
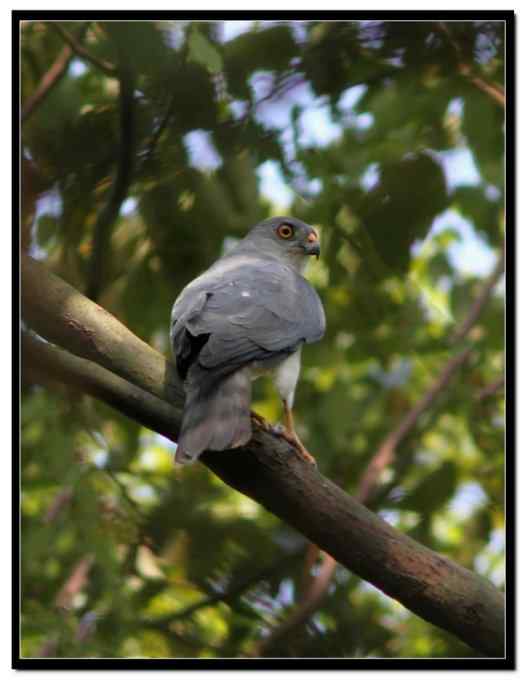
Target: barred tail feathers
(216,415)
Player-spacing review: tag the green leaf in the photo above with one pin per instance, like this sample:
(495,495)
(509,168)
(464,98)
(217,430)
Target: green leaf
(201,51)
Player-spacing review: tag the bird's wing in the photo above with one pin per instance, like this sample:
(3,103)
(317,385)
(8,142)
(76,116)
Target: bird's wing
(242,313)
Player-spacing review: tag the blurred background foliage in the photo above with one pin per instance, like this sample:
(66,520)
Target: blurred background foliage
(162,143)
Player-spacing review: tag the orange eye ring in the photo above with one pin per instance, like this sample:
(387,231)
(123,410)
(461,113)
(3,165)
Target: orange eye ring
(285,231)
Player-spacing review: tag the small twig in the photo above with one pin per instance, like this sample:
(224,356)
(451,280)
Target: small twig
(156,135)
(312,601)
(480,302)
(494,91)
(385,455)
(48,81)
(490,389)
(126,496)
(80,51)
(60,501)
(75,582)
(236,589)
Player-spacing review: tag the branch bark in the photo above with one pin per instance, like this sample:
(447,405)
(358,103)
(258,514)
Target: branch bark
(121,183)
(385,455)
(491,89)
(48,81)
(79,50)
(267,469)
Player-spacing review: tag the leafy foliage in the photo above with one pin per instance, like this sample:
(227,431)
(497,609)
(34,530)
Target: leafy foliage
(126,555)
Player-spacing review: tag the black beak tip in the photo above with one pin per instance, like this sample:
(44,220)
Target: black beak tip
(314,249)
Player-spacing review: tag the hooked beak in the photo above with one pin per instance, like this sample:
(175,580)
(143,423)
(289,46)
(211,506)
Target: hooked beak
(312,246)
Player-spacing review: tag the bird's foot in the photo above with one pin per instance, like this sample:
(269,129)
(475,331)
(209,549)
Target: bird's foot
(293,439)
(282,432)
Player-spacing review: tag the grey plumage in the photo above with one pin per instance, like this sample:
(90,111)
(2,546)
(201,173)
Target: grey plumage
(245,316)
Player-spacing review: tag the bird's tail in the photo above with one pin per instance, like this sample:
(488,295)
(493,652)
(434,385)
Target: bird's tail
(216,415)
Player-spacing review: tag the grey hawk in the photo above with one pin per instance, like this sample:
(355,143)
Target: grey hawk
(249,314)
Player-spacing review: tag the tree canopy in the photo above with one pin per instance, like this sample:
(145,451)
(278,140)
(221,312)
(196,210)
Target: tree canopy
(148,148)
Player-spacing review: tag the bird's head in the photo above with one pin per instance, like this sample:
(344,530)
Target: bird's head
(287,239)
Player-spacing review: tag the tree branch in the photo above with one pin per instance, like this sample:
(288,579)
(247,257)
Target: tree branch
(236,588)
(490,389)
(481,301)
(48,81)
(123,176)
(267,469)
(494,91)
(385,455)
(79,50)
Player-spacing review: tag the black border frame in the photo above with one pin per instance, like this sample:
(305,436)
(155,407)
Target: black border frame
(505,663)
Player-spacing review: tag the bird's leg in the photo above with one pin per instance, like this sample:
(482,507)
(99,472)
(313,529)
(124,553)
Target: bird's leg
(291,435)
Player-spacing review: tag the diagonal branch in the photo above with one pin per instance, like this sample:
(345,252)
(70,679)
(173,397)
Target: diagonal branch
(48,81)
(82,52)
(385,455)
(266,469)
(491,389)
(494,91)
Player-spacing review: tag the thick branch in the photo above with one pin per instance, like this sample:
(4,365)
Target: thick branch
(69,319)
(268,470)
(385,455)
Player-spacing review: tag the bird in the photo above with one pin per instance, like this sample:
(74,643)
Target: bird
(248,315)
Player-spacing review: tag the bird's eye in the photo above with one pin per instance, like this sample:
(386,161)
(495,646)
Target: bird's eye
(285,231)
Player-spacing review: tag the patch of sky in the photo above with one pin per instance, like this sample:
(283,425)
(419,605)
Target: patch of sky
(492,193)
(233,29)
(163,441)
(100,458)
(467,499)
(459,167)
(175,35)
(363,121)
(276,112)
(142,493)
(455,107)
(351,96)
(49,204)
(238,108)
(272,185)
(317,127)
(390,516)
(469,254)
(370,177)
(485,47)
(76,68)
(299,31)
(129,206)
(286,593)
(490,562)
(396,377)
(346,104)
(201,150)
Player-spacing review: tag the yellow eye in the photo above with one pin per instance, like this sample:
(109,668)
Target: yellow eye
(285,231)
